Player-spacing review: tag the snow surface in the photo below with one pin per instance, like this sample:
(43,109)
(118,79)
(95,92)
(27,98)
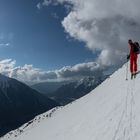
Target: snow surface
(109,112)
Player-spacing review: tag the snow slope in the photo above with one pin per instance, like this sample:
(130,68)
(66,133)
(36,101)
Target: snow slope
(110,112)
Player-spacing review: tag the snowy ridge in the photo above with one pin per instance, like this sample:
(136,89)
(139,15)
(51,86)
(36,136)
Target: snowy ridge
(31,124)
(88,81)
(110,112)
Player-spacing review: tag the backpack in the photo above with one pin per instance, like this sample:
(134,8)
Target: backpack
(136,47)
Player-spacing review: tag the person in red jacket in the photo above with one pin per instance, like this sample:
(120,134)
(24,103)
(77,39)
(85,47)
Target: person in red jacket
(133,59)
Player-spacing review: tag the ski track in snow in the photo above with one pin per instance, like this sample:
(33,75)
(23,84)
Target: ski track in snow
(125,126)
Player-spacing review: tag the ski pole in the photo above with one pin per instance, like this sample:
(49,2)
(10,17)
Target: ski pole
(127,70)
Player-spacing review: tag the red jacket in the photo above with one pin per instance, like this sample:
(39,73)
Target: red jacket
(132,53)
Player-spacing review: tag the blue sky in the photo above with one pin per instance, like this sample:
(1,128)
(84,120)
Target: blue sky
(37,37)
(53,40)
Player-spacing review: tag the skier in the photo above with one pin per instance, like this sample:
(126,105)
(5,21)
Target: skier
(133,55)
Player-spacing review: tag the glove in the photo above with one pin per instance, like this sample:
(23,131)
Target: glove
(128,57)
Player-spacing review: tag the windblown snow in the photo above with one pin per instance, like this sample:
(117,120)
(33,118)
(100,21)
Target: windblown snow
(109,112)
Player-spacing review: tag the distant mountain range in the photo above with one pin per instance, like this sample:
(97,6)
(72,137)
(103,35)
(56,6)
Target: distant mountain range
(65,93)
(19,103)
(48,87)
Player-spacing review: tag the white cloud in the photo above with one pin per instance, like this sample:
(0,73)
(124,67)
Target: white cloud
(46,2)
(79,70)
(6,66)
(3,45)
(6,39)
(31,75)
(39,6)
(103,25)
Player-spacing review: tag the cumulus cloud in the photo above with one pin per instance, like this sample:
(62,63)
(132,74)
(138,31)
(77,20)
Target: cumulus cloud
(79,70)
(103,25)
(31,75)
(26,73)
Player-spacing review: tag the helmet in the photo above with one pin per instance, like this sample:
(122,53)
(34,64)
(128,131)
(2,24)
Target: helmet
(129,41)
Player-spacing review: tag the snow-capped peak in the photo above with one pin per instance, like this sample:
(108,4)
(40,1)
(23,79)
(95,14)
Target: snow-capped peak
(86,81)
